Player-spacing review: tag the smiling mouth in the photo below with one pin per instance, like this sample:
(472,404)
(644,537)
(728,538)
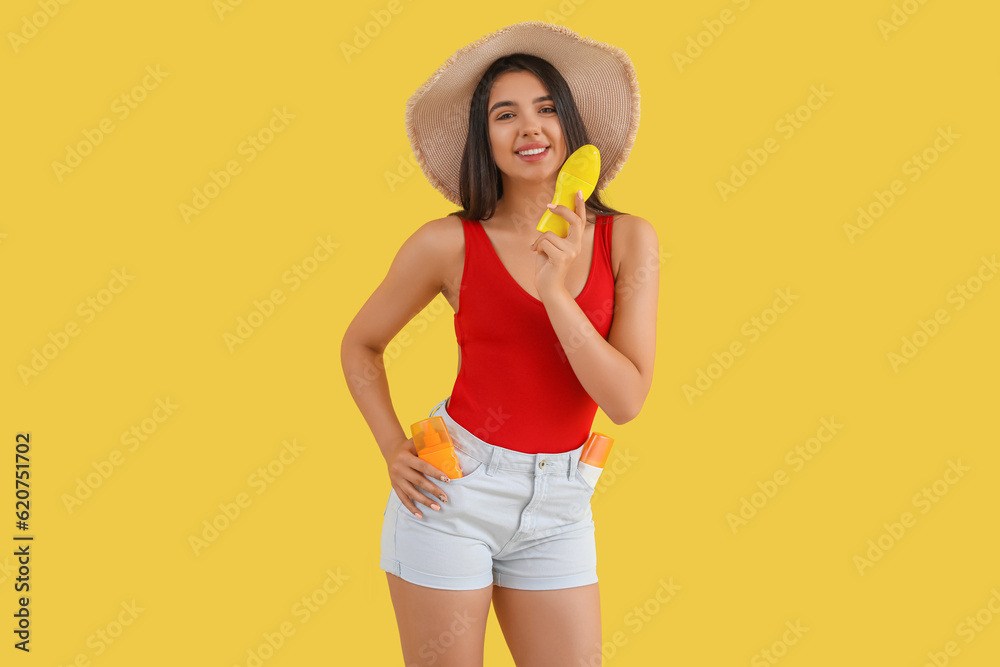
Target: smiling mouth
(532,151)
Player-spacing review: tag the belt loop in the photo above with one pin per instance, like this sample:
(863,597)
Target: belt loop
(437,407)
(574,460)
(494,461)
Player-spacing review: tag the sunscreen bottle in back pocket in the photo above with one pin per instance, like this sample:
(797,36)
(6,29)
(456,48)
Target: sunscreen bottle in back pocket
(594,456)
(433,443)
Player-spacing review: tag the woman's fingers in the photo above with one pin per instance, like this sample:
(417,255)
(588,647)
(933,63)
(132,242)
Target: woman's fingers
(549,237)
(563,212)
(407,498)
(581,213)
(411,498)
(409,486)
(424,484)
(574,218)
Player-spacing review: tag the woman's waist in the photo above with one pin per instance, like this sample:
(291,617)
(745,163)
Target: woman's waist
(525,423)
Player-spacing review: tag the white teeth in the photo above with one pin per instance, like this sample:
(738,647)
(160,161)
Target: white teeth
(533,151)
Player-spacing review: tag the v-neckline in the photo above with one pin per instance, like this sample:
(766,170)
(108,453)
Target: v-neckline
(510,277)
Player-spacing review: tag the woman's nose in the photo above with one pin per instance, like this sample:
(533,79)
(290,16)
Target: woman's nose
(529,126)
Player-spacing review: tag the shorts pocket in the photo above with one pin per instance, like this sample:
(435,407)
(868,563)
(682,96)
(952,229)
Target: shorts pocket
(471,468)
(578,476)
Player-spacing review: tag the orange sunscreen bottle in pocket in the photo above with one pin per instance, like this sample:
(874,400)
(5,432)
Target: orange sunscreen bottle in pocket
(430,437)
(594,456)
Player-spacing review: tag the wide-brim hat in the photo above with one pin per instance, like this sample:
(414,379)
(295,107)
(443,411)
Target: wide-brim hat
(600,77)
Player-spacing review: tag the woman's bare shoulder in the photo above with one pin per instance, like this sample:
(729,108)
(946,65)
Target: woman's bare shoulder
(631,236)
(449,223)
(445,235)
(437,245)
(630,220)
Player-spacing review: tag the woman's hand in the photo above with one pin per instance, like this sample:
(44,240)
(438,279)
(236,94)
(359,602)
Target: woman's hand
(406,473)
(556,254)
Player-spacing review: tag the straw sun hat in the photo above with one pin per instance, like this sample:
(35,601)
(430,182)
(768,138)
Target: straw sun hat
(600,76)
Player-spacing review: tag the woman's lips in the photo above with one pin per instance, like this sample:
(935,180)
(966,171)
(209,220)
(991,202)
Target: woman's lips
(534,158)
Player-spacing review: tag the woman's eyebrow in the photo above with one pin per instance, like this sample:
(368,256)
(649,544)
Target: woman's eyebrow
(508,103)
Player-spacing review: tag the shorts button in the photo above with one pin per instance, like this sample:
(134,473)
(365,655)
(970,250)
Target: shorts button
(541,464)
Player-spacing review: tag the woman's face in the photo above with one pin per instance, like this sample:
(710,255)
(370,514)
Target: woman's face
(521,115)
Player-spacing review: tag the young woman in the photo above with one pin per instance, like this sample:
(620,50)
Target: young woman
(548,328)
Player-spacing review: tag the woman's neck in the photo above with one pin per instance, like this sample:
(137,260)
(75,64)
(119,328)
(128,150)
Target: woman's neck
(519,211)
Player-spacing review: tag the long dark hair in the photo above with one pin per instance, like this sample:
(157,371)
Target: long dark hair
(480,183)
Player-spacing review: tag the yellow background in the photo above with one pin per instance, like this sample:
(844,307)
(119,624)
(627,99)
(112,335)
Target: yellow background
(324,175)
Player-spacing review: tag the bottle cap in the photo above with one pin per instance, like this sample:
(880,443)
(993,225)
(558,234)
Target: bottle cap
(430,434)
(596,449)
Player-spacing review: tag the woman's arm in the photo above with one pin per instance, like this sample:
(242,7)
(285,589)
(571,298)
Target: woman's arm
(415,277)
(617,372)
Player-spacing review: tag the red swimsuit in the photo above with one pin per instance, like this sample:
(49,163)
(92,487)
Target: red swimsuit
(515,387)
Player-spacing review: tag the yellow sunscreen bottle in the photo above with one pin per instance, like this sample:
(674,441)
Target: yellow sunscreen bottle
(434,445)
(594,456)
(580,172)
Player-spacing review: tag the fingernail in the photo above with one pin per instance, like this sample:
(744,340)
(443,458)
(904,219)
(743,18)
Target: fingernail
(435,506)
(551,205)
(444,499)
(417,514)
(579,193)
(443,478)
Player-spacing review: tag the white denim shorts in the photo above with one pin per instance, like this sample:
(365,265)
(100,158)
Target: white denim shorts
(513,519)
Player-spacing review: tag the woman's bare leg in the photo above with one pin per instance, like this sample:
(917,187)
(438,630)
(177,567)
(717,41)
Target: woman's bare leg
(556,628)
(440,627)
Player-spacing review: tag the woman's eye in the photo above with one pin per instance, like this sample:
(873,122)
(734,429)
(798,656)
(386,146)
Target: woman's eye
(507,113)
